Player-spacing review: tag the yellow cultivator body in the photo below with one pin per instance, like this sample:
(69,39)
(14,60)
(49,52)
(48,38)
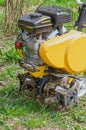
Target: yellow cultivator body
(66,52)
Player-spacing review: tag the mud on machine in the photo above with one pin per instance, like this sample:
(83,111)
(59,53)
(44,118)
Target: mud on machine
(53,58)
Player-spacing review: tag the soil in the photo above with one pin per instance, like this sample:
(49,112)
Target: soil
(46,128)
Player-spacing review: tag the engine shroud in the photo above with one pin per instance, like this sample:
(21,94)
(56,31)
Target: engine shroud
(59,15)
(35,23)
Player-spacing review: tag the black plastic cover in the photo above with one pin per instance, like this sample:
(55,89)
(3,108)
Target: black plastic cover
(59,15)
(35,23)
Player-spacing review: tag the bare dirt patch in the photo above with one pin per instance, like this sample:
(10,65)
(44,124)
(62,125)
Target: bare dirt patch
(1,87)
(47,128)
(20,128)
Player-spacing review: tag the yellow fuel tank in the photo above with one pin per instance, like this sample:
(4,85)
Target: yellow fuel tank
(66,52)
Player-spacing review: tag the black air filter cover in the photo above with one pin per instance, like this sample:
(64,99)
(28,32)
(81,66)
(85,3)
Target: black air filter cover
(59,15)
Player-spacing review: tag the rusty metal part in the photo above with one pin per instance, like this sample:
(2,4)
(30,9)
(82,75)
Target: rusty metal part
(50,89)
(65,75)
(49,101)
(26,82)
(28,66)
(65,97)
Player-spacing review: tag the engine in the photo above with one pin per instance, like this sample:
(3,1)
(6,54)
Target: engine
(44,24)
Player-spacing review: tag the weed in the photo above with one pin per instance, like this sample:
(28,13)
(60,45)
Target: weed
(10,55)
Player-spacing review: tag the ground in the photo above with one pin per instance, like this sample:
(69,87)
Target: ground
(21,112)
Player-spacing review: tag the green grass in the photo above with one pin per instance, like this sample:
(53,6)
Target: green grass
(2,2)
(17,110)
(22,110)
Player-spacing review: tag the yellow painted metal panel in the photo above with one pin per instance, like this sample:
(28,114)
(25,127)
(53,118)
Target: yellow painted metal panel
(76,54)
(63,52)
(41,71)
(20,52)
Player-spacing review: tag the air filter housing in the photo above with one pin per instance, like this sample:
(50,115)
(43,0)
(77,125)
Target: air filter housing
(59,15)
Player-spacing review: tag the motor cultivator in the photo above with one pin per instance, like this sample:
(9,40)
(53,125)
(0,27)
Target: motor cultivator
(53,58)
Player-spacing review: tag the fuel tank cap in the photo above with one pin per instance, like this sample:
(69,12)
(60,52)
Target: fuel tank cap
(35,15)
